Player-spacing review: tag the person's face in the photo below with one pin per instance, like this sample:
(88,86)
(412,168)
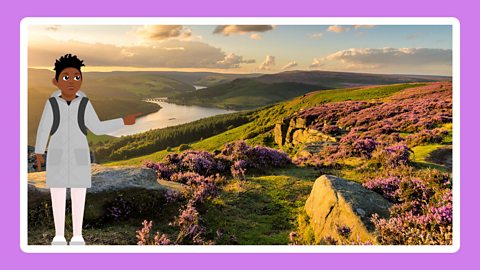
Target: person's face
(69,81)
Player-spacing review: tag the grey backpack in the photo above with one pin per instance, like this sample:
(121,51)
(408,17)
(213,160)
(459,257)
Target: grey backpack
(80,117)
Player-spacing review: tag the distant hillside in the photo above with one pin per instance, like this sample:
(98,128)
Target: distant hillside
(248,93)
(333,79)
(244,93)
(205,78)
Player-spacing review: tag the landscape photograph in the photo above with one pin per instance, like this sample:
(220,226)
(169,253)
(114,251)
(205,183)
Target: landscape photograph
(246,134)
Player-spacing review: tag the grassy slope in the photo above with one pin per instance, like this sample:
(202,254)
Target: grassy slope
(262,209)
(267,117)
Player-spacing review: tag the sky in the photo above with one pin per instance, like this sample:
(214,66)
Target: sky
(389,49)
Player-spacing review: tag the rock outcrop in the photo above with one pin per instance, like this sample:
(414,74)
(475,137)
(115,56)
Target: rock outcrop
(293,131)
(117,192)
(335,203)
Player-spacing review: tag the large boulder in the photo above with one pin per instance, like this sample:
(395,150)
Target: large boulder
(340,209)
(111,178)
(117,192)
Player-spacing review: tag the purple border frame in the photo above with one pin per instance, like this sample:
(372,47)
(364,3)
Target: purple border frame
(15,11)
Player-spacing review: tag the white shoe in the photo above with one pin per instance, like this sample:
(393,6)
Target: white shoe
(77,241)
(59,241)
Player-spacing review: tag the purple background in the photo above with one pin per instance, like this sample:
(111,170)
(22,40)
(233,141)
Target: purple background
(14,11)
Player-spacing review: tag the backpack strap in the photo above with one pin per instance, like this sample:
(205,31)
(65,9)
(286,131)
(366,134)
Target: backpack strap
(56,115)
(81,115)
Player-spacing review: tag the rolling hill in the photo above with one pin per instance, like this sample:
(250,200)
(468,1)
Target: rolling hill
(332,79)
(248,93)
(244,93)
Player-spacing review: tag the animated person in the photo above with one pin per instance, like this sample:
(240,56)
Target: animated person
(66,116)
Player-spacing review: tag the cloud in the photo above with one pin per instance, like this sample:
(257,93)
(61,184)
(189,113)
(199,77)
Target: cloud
(340,29)
(316,35)
(317,62)
(256,36)
(337,29)
(163,32)
(233,61)
(53,28)
(227,30)
(290,65)
(358,26)
(268,63)
(409,60)
(172,53)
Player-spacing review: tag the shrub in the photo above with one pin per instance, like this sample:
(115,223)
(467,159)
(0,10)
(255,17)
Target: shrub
(393,156)
(422,213)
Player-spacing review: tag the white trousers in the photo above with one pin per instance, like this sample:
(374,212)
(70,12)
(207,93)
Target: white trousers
(59,196)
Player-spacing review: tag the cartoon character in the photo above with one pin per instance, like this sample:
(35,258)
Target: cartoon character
(66,116)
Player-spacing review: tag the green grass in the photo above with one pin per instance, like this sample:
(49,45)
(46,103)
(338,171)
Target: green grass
(263,209)
(209,144)
(422,153)
(336,95)
(449,138)
(92,138)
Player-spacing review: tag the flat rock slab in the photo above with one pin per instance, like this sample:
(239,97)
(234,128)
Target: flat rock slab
(336,202)
(110,178)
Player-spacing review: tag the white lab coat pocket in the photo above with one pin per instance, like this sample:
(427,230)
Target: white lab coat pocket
(82,157)
(54,156)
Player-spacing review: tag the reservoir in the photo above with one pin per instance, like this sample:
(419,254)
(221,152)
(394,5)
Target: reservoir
(169,115)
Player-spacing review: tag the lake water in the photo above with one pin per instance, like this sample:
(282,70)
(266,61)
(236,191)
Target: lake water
(169,115)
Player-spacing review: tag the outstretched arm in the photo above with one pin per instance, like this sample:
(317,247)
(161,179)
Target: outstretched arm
(100,127)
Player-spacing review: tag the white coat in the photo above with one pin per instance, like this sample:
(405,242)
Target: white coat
(68,157)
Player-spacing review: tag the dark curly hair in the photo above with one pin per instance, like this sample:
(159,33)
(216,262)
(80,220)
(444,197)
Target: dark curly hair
(66,61)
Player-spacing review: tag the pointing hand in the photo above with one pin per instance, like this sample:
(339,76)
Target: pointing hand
(130,119)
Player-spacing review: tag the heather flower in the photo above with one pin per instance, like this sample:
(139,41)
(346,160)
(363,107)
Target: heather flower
(201,162)
(189,227)
(394,155)
(143,235)
(426,136)
(162,240)
(364,147)
(119,209)
(330,129)
(239,168)
(387,187)
(172,196)
(329,240)
(187,178)
(293,236)
(344,231)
